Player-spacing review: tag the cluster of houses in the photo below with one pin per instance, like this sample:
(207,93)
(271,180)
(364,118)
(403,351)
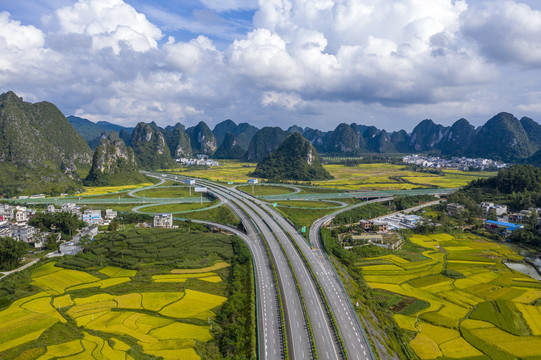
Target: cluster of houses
(498,218)
(379,231)
(14,223)
(391,222)
(455,163)
(90,216)
(199,160)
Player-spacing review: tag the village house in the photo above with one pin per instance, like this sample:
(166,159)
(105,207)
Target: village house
(163,221)
(92,217)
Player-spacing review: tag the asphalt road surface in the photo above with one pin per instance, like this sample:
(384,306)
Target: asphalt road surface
(297,332)
(325,340)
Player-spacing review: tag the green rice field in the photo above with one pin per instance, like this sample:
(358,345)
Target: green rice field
(166,192)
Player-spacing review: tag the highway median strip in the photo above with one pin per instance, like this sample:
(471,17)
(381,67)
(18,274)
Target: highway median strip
(324,298)
(307,319)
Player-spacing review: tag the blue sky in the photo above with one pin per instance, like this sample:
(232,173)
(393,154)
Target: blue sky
(275,62)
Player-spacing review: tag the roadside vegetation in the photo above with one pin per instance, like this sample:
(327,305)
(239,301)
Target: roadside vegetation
(261,190)
(221,214)
(167,192)
(177,207)
(11,252)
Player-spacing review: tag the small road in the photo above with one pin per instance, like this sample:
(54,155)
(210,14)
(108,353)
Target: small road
(6,273)
(410,210)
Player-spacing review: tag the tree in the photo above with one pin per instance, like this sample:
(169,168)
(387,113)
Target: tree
(85,242)
(11,252)
(51,242)
(65,222)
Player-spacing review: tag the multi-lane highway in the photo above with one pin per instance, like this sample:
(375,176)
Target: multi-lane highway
(268,313)
(279,239)
(324,337)
(299,344)
(349,327)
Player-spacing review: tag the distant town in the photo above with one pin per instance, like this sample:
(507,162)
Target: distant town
(199,160)
(455,163)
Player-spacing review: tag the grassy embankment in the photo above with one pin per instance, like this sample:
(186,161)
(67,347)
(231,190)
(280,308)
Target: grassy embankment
(261,190)
(135,295)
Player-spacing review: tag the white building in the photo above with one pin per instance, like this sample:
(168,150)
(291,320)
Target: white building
(71,208)
(92,217)
(69,248)
(163,220)
(50,209)
(489,208)
(23,233)
(21,215)
(110,214)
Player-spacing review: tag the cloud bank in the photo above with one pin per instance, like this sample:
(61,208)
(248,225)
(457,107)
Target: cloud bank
(314,63)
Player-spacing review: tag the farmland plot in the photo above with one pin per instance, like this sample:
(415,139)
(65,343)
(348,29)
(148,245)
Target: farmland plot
(477,307)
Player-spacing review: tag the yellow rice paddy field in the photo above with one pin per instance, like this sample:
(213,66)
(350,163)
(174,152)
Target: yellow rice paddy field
(379,176)
(166,324)
(383,176)
(100,190)
(477,308)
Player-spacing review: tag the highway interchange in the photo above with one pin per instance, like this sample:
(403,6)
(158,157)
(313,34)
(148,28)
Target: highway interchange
(315,275)
(298,291)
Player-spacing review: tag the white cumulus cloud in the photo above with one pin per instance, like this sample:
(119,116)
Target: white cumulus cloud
(506,31)
(308,60)
(110,23)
